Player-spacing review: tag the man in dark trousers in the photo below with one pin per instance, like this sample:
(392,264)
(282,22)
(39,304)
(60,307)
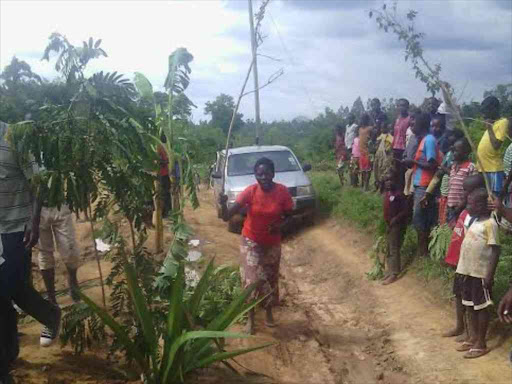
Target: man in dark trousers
(19,231)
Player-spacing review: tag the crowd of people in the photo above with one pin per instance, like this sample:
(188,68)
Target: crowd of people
(427,174)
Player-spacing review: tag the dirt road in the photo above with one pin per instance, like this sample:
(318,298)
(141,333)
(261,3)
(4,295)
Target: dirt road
(334,326)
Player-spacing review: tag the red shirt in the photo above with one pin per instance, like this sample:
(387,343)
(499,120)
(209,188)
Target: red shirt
(164,168)
(400,132)
(264,209)
(458,234)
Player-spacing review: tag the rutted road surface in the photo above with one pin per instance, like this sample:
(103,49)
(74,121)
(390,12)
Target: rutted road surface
(336,327)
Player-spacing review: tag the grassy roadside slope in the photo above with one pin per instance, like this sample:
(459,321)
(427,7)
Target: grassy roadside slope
(364,209)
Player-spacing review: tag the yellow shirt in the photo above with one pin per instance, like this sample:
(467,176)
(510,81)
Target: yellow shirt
(386,140)
(491,158)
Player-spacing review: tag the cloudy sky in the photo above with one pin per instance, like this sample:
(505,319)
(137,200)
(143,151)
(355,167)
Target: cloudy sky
(330,51)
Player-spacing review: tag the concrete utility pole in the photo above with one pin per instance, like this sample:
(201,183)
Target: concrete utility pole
(255,73)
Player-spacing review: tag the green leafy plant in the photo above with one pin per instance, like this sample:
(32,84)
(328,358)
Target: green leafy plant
(185,348)
(440,237)
(379,248)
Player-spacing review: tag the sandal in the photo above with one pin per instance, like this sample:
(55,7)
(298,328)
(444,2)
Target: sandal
(473,353)
(464,347)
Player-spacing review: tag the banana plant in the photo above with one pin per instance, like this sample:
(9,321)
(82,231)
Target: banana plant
(185,347)
(176,82)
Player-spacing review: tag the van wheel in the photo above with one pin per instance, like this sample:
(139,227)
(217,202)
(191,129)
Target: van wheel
(235,226)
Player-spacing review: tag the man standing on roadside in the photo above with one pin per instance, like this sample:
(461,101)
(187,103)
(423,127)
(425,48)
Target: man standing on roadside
(19,232)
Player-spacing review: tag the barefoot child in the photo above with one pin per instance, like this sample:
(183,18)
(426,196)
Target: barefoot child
(395,215)
(479,256)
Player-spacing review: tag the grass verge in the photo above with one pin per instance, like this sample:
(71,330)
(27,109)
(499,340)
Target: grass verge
(364,209)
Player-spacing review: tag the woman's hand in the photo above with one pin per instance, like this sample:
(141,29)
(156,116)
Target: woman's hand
(223,199)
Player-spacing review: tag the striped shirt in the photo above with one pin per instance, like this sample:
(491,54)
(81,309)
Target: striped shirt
(458,174)
(445,182)
(507,160)
(15,197)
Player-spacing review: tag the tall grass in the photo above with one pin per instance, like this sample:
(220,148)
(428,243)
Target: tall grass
(364,209)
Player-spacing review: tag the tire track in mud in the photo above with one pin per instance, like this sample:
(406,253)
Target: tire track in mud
(368,333)
(324,290)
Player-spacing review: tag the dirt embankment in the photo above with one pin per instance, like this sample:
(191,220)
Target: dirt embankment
(334,326)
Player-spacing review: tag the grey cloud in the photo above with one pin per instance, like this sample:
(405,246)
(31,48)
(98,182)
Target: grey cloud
(321,5)
(504,4)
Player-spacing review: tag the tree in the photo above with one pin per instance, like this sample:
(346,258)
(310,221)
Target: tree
(221,112)
(358,108)
(18,71)
(504,94)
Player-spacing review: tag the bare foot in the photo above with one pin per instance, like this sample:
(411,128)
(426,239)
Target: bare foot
(269,318)
(462,337)
(249,327)
(453,332)
(390,280)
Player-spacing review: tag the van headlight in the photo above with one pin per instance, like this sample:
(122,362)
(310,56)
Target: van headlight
(306,190)
(232,195)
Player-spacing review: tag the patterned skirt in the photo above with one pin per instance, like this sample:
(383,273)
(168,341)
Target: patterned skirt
(260,264)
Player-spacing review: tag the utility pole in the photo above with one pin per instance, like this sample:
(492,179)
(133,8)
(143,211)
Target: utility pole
(255,73)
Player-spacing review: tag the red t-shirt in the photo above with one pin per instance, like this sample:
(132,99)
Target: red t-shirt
(458,234)
(164,168)
(263,209)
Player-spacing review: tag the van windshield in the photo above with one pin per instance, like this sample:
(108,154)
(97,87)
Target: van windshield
(243,163)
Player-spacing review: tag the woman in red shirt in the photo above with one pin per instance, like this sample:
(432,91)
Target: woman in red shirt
(268,206)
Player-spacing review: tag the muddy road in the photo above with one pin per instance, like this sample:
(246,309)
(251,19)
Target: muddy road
(333,326)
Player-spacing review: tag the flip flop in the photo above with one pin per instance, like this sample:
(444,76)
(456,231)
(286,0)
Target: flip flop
(270,325)
(464,347)
(473,353)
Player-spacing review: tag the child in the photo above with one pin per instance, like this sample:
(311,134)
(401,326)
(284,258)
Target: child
(479,256)
(341,153)
(395,215)
(364,153)
(452,193)
(354,163)
(412,143)
(464,221)
(383,156)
